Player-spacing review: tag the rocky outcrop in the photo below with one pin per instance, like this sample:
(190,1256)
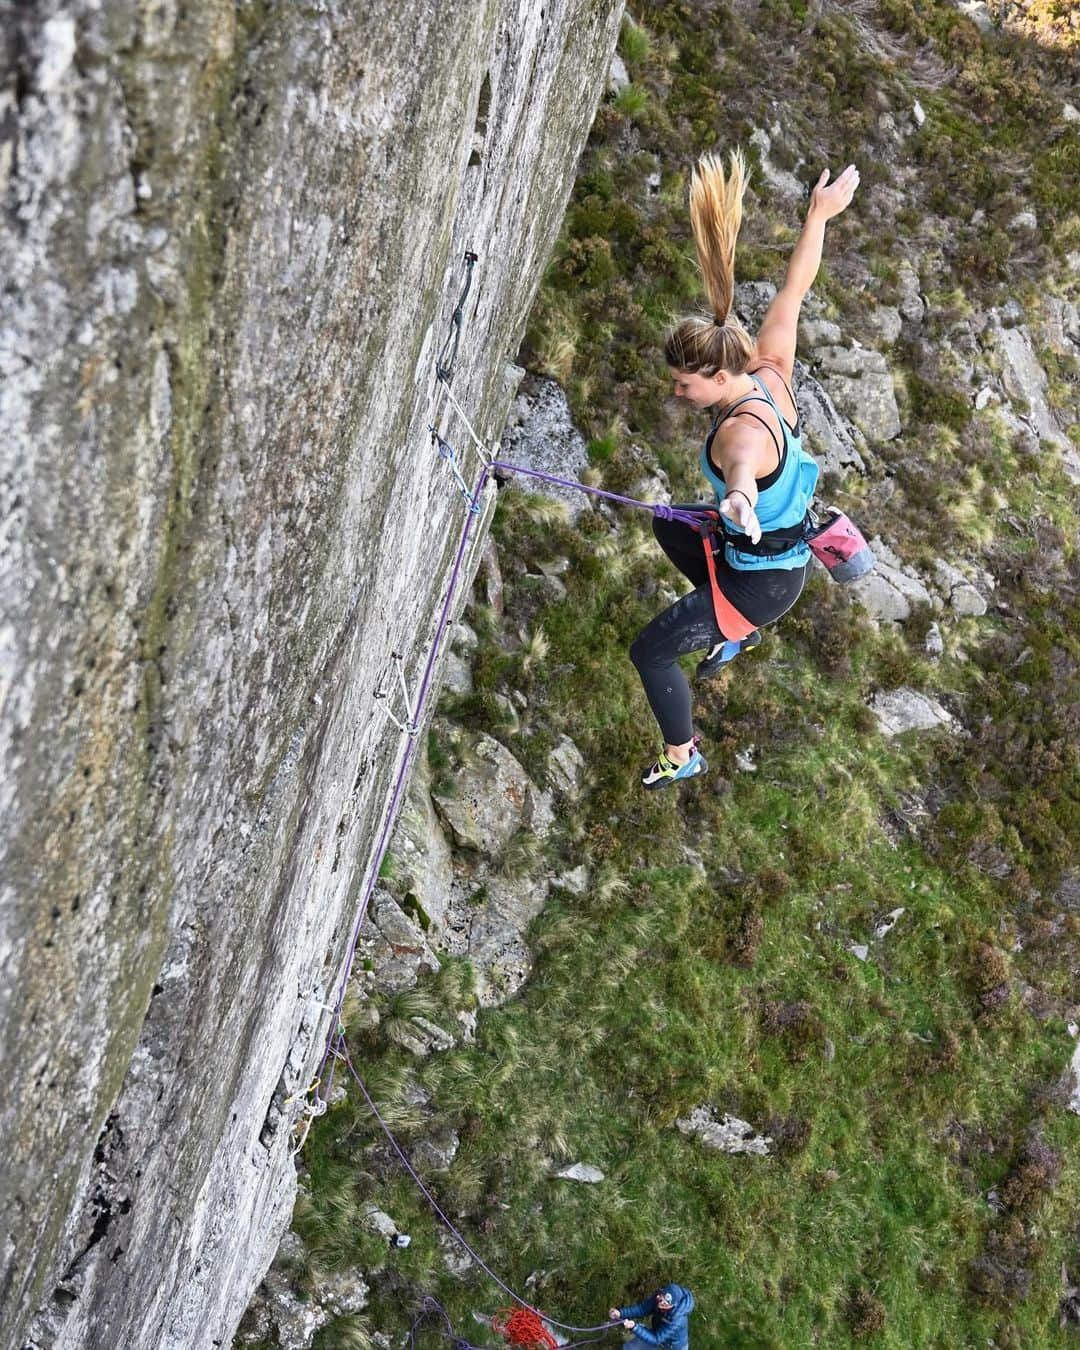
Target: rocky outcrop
(486,796)
(231,246)
(541,435)
(890,590)
(728,1134)
(860,385)
(826,435)
(903,710)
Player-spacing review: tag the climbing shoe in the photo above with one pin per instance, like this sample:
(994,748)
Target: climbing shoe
(665,771)
(724,652)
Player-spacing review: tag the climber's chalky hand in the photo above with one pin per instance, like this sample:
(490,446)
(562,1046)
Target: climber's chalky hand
(737,508)
(830,200)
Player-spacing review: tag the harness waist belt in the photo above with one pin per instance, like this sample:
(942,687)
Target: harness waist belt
(772,542)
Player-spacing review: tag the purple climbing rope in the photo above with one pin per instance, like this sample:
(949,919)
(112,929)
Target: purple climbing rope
(343,1051)
(659,509)
(322,1091)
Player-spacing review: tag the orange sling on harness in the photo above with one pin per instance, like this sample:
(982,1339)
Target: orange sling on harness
(728,619)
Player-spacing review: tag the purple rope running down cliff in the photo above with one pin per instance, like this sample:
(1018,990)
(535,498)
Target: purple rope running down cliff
(343,1051)
(659,509)
(322,1091)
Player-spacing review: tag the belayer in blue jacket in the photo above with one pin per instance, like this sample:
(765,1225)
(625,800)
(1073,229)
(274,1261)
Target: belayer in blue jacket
(670,1308)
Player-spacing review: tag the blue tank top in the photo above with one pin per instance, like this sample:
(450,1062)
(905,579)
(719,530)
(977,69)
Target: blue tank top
(782,504)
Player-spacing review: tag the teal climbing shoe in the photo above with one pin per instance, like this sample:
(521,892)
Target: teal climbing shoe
(665,771)
(724,652)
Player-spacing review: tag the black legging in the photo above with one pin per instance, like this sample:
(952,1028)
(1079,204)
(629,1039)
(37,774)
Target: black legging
(689,625)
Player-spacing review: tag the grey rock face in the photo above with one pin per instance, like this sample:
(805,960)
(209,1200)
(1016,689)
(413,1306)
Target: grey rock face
(962,595)
(566,768)
(436,1155)
(889,591)
(859,383)
(457,674)
(1072,1080)
(495,936)
(902,710)
(394,948)
(278,1310)
(912,306)
(541,435)
(752,300)
(618,75)
(885,323)
(779,179)
(420,850)
(1061,323)
(232,243)
(825,433)
(1024,379)
(815,332)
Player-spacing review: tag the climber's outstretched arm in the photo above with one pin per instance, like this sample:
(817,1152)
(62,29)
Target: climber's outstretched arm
(776,339)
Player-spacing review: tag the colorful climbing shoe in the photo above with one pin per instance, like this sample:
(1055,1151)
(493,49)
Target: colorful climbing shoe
(724,652)
(666,771)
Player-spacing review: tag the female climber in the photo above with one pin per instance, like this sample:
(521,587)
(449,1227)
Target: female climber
(753,458)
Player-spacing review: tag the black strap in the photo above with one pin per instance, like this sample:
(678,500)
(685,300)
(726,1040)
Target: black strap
(750,398)
(772,542)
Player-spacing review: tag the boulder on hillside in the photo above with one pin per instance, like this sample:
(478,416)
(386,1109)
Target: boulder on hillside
(420,850)
(780,180)
(540,434)
(890,590)
(825,433)
(494,935)
(961,594)
(1024,379)
(291,1319)
(752,299)
(903,710)
(581,1172)
(885,323)
(1061,324)
(912,306)
(729,1134)
(393,947)
(566,768)
(484,795)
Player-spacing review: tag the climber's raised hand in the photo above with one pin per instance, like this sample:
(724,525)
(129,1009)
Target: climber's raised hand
(829,199)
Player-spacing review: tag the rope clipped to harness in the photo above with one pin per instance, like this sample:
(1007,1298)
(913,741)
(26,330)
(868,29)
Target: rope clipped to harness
(523,1327)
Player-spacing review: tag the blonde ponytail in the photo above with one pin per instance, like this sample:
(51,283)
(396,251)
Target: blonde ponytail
(707,345)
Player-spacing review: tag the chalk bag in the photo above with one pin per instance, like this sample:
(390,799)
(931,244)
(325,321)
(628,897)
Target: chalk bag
(839,544)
